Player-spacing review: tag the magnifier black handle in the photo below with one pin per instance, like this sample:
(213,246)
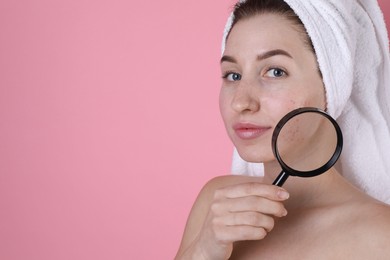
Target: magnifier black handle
(282,177)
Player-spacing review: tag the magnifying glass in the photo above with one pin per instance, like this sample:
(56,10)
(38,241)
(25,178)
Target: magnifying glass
(306,142)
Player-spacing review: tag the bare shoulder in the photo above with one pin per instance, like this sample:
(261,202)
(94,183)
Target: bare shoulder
(219,182)
(371,230)
(375,222)
(228,180)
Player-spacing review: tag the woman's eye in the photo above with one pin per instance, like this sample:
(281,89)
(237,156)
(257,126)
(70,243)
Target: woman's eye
(231,76)
(275,73)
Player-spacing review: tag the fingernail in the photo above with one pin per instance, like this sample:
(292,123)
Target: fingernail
(282,194)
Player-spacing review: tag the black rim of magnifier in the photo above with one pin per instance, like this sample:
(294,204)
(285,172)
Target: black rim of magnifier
(323,168)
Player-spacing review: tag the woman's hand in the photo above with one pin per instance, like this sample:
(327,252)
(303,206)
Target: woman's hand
(239,212)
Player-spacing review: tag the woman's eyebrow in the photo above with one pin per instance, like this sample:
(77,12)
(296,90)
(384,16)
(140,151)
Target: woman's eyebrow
(271,53)
(228,59)
(262,56)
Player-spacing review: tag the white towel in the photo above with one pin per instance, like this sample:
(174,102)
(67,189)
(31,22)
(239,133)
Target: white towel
(351,43)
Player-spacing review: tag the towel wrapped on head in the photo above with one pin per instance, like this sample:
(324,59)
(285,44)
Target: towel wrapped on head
(351,44)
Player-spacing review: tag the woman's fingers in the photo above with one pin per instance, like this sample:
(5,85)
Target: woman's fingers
(250,197)
(232,234)
(240,212)
(249,204)
(250,219)
(252,189)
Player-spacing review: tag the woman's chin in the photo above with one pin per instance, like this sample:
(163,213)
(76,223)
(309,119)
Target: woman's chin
(256,156)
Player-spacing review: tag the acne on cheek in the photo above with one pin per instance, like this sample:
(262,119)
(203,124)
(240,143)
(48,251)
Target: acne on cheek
(293,134)
(307,103)
(292,102)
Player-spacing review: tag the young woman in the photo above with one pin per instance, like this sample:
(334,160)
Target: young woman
(273,63)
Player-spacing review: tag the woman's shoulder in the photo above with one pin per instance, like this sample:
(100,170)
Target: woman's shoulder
(229,180)
(355,229)
(370,213)
(374,220)
(207,193)
(367,227)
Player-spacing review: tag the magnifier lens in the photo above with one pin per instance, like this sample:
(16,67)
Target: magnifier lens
(306,142)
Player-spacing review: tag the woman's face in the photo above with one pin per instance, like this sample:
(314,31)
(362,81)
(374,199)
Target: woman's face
(267,71)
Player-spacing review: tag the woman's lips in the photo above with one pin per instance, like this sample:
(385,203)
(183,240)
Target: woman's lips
(248,131)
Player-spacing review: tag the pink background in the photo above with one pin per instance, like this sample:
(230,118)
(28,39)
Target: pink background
(109,124)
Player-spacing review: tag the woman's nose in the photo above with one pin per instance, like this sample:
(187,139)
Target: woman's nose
(245,100)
